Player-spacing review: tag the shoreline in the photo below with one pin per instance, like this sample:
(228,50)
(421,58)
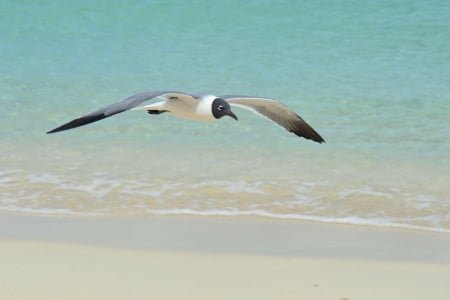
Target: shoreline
(188,213)
(225,235)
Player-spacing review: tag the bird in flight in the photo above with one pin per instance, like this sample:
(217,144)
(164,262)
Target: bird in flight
(201,107)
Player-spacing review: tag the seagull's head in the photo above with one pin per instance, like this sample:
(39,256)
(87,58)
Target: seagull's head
(221,108)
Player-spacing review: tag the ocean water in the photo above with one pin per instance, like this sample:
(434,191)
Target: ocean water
(372,77)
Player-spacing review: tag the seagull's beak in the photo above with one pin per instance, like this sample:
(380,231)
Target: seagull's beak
(230,114)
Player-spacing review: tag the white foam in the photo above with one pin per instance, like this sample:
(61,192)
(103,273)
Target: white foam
(378,222)
(233,186)
(46,211)
(367,190)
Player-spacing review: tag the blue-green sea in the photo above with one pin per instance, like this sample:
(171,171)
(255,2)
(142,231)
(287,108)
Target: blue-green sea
(372,77)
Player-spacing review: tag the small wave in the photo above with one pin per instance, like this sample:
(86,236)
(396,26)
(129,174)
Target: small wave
(112,194)
(377,222)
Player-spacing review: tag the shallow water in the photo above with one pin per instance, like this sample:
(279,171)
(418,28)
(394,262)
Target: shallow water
(372,79)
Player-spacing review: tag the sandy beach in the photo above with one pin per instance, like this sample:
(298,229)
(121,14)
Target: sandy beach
(216,258)
(33,270)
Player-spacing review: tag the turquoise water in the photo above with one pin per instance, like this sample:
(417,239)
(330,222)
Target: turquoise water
(373,78)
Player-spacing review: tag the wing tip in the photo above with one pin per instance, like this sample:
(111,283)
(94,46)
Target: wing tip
(317,139)
(309,133)
(57,129)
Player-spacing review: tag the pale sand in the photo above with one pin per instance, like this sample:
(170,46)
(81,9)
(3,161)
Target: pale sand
(192,258)
(33,270)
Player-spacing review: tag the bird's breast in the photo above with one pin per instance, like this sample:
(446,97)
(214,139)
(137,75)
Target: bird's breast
(198,111)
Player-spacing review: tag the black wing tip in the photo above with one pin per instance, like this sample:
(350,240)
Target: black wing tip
(308,133)
(315,138)
(303,129)
(318,139)
(58,129)
(322,141)
(67,126)
(79,122)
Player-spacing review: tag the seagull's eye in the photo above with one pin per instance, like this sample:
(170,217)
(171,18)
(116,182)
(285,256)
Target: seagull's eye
(220,107)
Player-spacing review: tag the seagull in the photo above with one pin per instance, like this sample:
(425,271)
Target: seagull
(201,107)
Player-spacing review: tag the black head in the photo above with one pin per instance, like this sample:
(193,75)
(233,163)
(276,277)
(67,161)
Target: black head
(222,108)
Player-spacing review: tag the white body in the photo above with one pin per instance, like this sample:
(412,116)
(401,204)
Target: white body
(184,106)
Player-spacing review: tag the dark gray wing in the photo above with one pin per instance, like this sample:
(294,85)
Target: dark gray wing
(110,110)
(276,112)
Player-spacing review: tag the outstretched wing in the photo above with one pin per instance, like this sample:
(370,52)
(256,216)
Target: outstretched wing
(276,112)
(110,110)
